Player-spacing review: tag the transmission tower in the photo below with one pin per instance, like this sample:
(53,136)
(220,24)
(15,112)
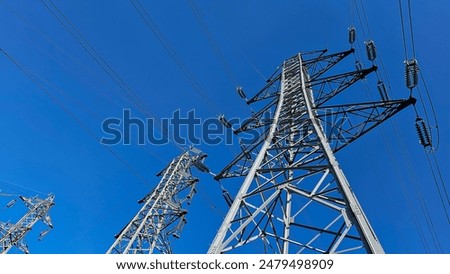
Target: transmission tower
(14,234)
(294,197)
(164,211)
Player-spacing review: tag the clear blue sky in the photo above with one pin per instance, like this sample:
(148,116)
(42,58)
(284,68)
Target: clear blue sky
(44,149)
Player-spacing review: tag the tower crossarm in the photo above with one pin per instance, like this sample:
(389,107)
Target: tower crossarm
(317,64)
(328,87)
(345,123)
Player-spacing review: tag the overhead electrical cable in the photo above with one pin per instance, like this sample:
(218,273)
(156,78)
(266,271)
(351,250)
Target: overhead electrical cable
(145,16)
(107,68)
(82,65)
(402,22)
(413,46)
(423,205)
(433,165)
(55,100)
(61,49)
(4,182)
(213,43)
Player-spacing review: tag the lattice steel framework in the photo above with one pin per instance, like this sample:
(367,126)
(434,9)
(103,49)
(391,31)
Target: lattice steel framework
(13,234)
(164,211)
(295,198)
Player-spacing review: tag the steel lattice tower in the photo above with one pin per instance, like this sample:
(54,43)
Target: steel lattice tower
(14,234)
(294,197)
(164,211)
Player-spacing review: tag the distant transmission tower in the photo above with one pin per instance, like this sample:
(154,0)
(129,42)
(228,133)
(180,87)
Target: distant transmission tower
(163,214)
(294,197)
(14,234)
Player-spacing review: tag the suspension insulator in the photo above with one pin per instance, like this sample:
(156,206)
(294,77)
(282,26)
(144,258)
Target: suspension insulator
(227,196)
(383,91)
(11,203)
(191,194)
(351,35)
(371,50)
(224,121)
(179,227)
(201,166)
(43,233)
(411,73)
(358,66)
(241,93)
(423,132)
(48,221)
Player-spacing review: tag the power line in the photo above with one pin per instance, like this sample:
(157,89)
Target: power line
(176,58)
(23,187)
(365,18)
(254,67)
(413,176)
(437,180)
(351,12)
(360,19)
(402,21)
(218,51)
(79,77)
(422,203)
(433,110)
(384,193)
(411,29)
(404,190)
(84,43)
(96,115)
(172,53)
(441,178)
(416,185)
(210,203)
(212,42)
(73,31)
(403,28)
(72,115)
(438,188)
(51,41)
(325,22)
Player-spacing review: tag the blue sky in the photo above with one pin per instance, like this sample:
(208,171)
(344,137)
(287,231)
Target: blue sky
(44,149)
